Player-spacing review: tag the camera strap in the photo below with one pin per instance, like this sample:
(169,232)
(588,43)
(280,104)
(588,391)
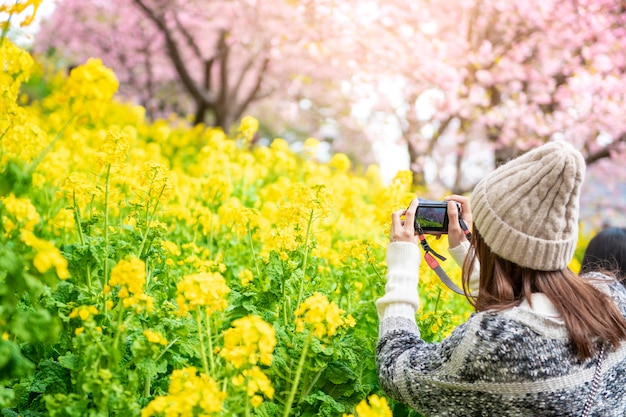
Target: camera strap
(430,254)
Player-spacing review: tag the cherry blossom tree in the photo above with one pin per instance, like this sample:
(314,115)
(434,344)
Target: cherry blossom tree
(506,76)
(211,58)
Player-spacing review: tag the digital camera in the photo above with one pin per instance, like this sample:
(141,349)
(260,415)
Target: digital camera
(432,216)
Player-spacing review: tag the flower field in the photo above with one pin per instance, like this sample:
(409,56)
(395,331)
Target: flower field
(158,269)
(161,269)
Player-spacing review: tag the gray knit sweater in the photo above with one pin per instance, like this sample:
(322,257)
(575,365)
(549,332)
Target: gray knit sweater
(518,362)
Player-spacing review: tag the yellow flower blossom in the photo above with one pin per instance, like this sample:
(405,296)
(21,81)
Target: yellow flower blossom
(130,275)
(22,213)
(115,147)
(245,276)
(236,217)
(78,188)
(373,406)
(311,145)
(340,162)
(157,184)
(322,316)
(280,145)
(140,302)
(188,395)
(247,129)
(254,381)
(171,247)
(155,337)
(84,312)
(19,7)
(205,289)
(89,86)
(47,255)
(249,341)
(63,222)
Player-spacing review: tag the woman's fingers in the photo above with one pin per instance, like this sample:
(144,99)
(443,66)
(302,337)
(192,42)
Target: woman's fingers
(403,229)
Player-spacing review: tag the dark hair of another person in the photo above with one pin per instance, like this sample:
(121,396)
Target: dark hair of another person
(504,284)
(606,253)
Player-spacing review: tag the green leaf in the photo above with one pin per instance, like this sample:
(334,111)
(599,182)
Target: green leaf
(338,373)
(70,361)
(12,363)
(324,404)
(268,409)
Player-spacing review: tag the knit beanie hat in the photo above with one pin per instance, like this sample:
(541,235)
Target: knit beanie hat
(527,209)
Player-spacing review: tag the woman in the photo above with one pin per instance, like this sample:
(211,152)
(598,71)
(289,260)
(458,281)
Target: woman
(543,341)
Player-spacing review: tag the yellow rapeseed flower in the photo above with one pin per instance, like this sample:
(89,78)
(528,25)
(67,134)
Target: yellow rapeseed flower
(157,184)
(89,86)
(130,275)
(84,312)
(204,289)
(188,395)
(322,315)
(247,129)
(245,276)
(78,188)
(115,147)
(19,7)
(255,381)
(47,255)
(155,337)
(373,406)
(311,145)
(249,341)
(235,216)
(22,213)
(340,162)
(171,247)
(140,302)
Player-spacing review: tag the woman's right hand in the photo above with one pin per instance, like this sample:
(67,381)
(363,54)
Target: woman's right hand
(456,235)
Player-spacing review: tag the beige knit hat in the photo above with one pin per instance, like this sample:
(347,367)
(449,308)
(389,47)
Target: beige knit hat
(527,209)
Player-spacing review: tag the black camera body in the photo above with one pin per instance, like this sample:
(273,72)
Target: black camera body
(432,216)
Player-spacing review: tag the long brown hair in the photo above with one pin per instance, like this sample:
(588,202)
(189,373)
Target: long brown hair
(588,313)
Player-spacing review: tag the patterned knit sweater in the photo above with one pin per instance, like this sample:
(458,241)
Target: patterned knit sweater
(517,362)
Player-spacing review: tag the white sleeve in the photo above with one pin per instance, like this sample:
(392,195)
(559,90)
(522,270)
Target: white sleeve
(401,297)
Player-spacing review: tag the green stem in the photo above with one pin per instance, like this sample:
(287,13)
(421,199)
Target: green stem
(210,337)
(210,233)
(146,387)
(106,224)
(373,266)
(78,220)
(306,256)
(118,331)
(256,265)
(48,148)
(165,350)
(81,236)
(296,381)
(149,217)
(437,301)
(312,384)
(205,364)
(248,405)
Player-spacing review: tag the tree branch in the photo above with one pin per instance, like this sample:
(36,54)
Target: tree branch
(199,94)
(606,151)
(254,93)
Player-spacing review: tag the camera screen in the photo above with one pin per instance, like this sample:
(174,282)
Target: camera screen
(431,218)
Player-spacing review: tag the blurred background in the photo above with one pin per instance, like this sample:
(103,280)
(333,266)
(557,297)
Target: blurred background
(446,89)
